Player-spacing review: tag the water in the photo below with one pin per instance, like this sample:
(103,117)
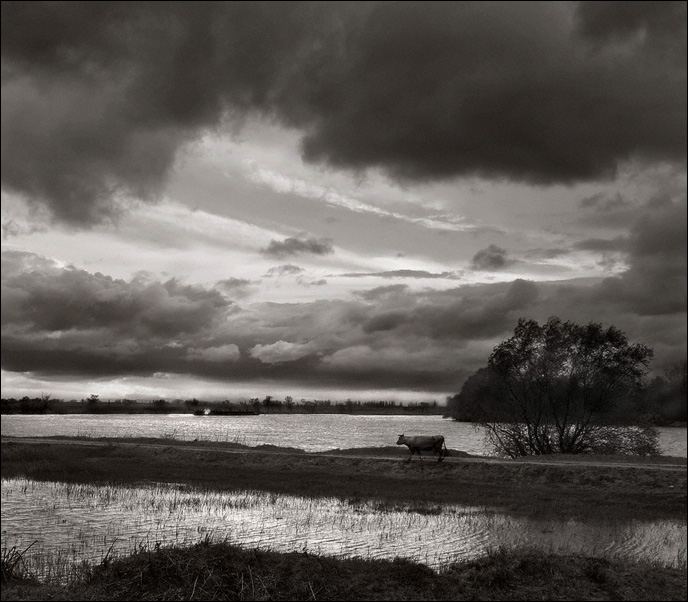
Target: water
(74,523)
(310,432)
(69,523)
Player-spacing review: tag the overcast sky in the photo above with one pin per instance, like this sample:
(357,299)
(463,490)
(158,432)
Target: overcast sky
(332,200)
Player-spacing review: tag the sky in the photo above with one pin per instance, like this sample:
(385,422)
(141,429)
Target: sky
(332,200)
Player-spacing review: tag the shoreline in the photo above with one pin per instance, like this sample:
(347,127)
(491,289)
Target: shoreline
(633,487)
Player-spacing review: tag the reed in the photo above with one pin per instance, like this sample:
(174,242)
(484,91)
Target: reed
(85,523)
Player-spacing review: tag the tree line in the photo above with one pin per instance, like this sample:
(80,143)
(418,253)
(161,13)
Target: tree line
(45,404)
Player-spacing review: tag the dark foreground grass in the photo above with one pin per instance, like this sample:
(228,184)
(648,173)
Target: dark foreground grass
(225,572)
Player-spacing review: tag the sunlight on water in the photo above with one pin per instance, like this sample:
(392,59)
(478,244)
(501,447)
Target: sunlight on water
(74,523)
(311,433)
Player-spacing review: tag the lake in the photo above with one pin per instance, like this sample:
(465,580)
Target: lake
(310,432)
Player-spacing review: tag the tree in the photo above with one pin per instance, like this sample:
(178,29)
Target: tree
(475,402)
(665,396)
(564,388)
(93,403)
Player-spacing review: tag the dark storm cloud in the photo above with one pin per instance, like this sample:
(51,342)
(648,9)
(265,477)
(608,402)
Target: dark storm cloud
(607,211)
(61,321)
(479,314)
(659,23)
(490,258)
(655,282)
(39,296)
(99,98)
(385,321)
(295,246)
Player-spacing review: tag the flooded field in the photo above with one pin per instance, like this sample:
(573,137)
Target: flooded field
(67,524)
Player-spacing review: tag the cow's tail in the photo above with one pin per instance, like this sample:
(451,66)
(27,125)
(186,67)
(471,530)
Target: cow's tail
(444,445)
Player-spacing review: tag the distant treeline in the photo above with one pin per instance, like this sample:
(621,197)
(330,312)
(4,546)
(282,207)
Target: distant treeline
(269,405)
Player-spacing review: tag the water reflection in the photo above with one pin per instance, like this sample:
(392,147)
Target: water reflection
(74,523)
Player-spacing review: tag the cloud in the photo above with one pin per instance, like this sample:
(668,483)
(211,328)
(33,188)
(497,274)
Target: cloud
(238,288)
(456,275)
(490,258)
(620,243)
(480,313)
(284,270)
(65,322)
(39,295)
(287,184)
(222,353)
(551,253)
(601,210)
(602,203)
(382,292)
(655,282)
(281,351)
(100,100)
(295,246)
(365,359)
(385,321)
(642,23)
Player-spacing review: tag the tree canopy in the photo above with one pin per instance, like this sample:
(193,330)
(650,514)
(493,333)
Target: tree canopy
(561,388)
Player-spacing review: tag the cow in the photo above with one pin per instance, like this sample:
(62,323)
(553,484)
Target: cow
(434,443)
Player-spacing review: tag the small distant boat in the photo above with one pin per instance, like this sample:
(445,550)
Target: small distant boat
(209,412)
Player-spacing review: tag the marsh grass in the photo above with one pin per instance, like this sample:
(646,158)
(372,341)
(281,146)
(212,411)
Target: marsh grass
(78,524)
(13,565)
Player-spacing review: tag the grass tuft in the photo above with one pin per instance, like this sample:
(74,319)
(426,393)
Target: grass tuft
(12,564)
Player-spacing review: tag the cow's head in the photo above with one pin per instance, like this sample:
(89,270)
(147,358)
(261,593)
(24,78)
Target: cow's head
(400,440)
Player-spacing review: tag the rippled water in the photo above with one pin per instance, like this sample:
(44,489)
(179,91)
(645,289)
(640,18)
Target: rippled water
(317,432)
(73,523)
